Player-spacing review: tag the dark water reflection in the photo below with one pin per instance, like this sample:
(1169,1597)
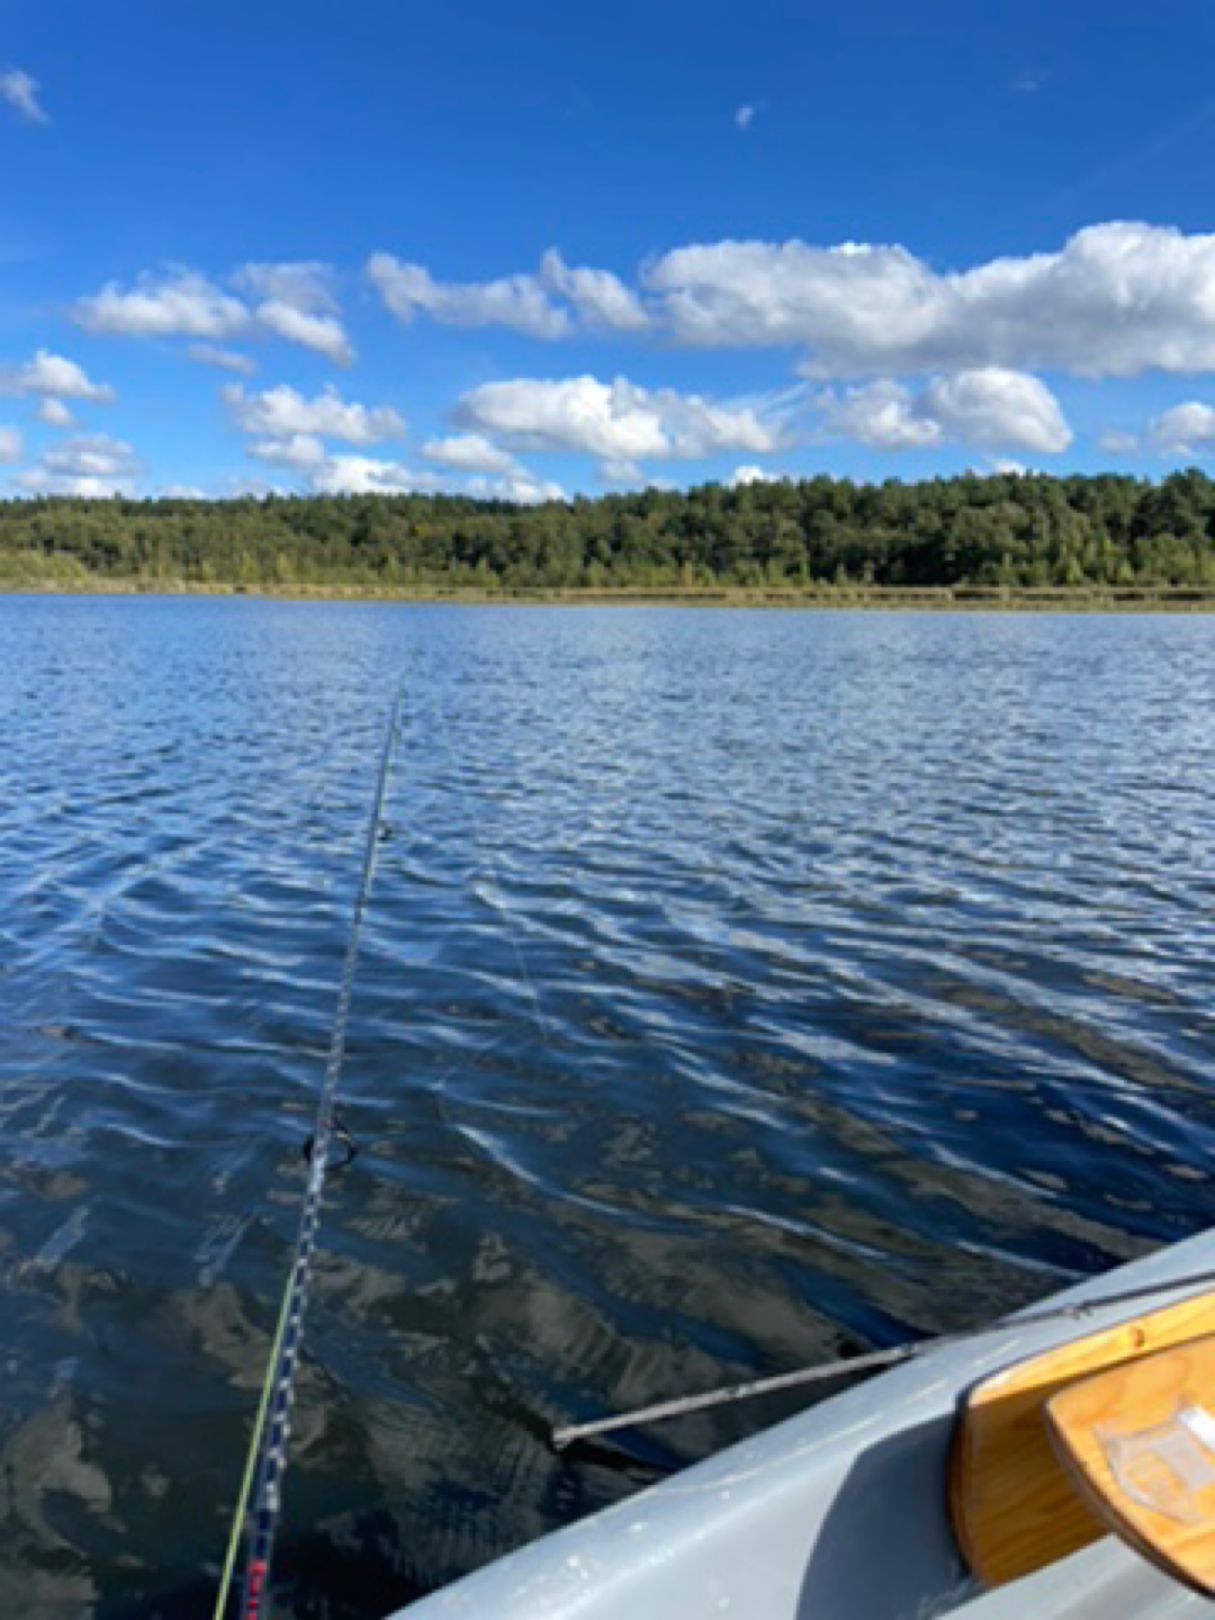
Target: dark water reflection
(739,988)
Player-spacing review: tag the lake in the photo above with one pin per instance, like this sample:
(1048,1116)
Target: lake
(739,989)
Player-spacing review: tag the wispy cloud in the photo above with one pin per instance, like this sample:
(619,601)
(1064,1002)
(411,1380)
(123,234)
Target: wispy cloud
(744,116)
(209,354)
(20,91)
(1029,80)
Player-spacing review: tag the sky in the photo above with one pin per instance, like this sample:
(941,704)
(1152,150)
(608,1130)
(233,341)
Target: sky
(535,250)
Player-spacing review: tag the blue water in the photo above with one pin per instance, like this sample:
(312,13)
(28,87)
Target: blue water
(739,988)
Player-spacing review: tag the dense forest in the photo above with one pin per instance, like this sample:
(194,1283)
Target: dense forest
(1014,531)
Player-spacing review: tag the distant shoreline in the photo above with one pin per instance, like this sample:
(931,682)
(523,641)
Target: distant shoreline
(947,599)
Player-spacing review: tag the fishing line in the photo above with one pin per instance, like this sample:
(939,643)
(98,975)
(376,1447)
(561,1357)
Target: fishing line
(259,1502)
(489,873)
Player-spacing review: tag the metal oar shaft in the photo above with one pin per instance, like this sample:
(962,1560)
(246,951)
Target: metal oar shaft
(870,1362)
(261,1491)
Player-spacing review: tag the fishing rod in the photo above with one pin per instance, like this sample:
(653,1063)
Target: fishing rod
(260,1499)
(727,1394)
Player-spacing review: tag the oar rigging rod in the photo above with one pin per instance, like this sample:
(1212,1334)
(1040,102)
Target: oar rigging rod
(683,1405)
(260,1499)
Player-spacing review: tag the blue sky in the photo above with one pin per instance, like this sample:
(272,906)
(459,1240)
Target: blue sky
(529,248)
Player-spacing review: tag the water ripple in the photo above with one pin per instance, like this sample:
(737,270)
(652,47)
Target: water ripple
(740,989)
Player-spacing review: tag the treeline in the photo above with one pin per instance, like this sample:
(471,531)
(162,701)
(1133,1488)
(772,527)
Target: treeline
(1017,531)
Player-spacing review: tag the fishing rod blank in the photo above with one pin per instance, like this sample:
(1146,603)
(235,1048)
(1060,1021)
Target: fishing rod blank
(260,1499)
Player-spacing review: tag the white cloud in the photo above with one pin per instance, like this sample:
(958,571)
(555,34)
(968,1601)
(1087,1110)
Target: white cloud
(208,354)
(882,414)
(520,486)
(324,333)
(989,406)
(55,413)
(531,303)
(520,301)
(183,492)
(10,445)
(744,117)
(301,450)
(615,421)
(179,303)
(371,475)
(471,452)
(20,91)
(622,473)
(296,301)
(91,465)
(996,407)
(277,413)
(54,375)
(1184,430)
(600,298)
(1114,442)
(751,475)
(1116,300)
(367,475)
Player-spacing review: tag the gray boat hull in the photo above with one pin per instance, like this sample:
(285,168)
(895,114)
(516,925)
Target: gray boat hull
(837,1514)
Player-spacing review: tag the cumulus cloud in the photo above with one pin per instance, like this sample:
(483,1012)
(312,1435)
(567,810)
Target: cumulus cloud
(616,421)
(368,475)
(550,304)
(10,445)
(20,91)
(55,413)
(600,298)
(179,303)
(303,451)
(209,354)
(55,376)
(1116,300)
(883,414)
(751,475)
(1115,442)
(293,301)
(471,452)
(522,301)
(278,413)
(372,475)
(91,465)
(522,487)
(296,301)
(989,406)
(324,333)
(996,407)
(621,473)
(1184,430)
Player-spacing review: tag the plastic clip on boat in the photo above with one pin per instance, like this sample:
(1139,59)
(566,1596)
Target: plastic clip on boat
(1043,1471)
